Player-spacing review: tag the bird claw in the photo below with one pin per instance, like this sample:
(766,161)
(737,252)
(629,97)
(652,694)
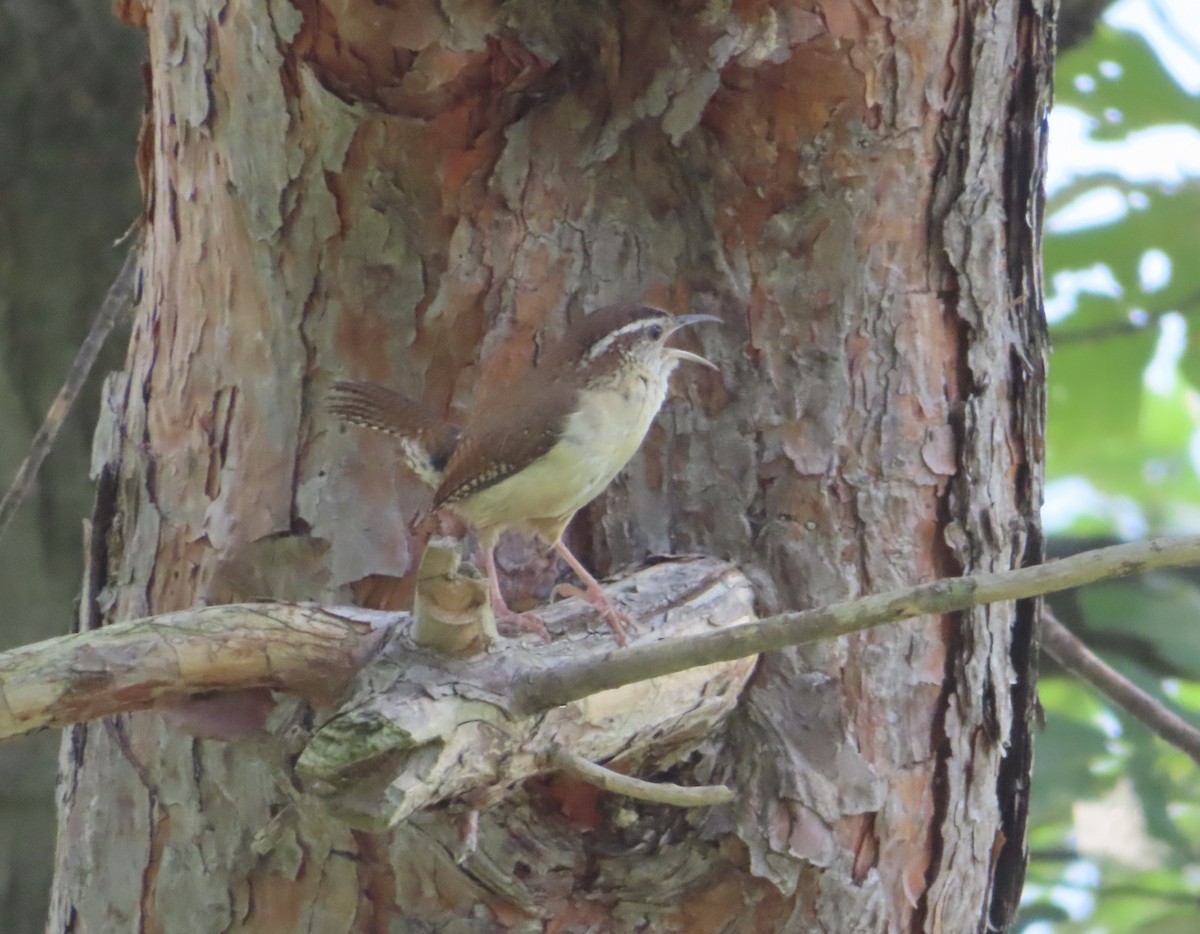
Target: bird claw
(511,624)
(618,620)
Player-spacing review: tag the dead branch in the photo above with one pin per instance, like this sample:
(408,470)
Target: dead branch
(683,796)
(582,677)
(162,660)
(420,727)
(1070,651)
(120,297)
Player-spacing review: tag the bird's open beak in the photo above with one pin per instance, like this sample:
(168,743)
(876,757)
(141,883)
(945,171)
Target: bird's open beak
(682,321)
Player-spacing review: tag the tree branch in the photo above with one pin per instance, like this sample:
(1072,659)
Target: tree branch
(119,299)
(584,676)
(162,660)
(287,647)
(420,727)
(1186,307)
(683,796)
(1069,651)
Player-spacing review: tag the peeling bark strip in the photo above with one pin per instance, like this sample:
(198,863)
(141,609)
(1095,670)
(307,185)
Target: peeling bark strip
(407,194)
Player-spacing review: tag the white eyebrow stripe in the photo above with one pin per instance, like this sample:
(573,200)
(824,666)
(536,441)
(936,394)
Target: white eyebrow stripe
(601,346)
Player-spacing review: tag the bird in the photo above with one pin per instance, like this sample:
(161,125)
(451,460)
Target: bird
(534,453)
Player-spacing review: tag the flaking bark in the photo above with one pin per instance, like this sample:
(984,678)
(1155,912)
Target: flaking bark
(409,195)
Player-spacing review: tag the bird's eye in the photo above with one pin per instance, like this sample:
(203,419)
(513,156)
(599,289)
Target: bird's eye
(655,331)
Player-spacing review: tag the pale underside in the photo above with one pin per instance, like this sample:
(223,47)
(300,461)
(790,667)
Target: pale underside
(598,440)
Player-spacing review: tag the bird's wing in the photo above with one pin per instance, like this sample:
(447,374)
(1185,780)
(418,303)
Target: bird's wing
(521,424)
(427,439)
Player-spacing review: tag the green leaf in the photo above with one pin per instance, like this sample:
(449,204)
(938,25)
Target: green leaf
(1146,627)
(1040,911)
(1094,424)
(1169,221)
(1143,93)
(1065,752)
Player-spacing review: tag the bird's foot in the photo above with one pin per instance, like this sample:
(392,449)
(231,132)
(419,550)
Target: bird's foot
(511,623)
(618,620)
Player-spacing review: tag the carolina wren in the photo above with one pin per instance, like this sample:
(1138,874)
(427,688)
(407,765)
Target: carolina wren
(533,454)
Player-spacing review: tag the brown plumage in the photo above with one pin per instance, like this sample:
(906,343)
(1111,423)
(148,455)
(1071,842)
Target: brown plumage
(427,439)
(531,455)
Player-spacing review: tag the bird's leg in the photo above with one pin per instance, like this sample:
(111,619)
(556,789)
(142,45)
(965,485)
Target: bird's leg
(617,620)
(508,621)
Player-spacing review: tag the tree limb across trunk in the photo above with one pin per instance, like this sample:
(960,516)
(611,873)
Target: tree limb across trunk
(419,727)
(161,661)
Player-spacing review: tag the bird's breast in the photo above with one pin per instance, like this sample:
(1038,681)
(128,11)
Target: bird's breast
(598,439)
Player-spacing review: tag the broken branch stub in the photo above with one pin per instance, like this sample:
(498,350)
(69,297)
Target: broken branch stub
(419,729)
(451,611)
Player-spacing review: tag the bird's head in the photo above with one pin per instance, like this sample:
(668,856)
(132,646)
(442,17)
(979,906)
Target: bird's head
(622,335)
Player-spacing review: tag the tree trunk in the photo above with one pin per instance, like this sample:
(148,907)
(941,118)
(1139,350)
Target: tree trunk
(409,194)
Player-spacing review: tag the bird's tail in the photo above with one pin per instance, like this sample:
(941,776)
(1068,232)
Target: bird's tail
(426,439)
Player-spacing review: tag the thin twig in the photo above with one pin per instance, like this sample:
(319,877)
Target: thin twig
(120,297)
(573,680)
(682,796)
(1187,305)
(1122,891)
(1069,651)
